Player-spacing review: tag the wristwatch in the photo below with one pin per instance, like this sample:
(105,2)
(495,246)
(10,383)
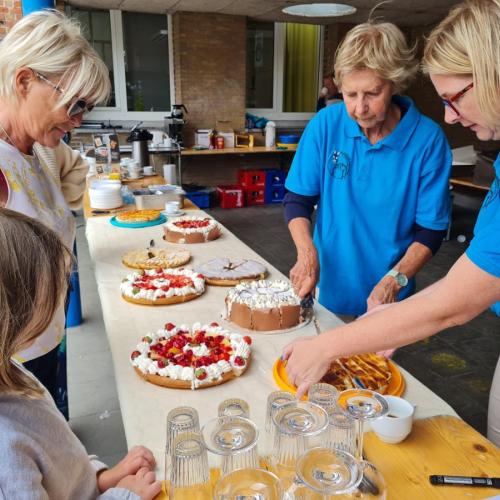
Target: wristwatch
(401,279)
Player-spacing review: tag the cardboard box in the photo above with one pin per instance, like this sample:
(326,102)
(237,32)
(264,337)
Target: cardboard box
(202,137)
(228,138)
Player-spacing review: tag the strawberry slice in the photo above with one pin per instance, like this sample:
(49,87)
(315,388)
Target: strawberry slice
(200,374)
(135,354)
(169,327)
(239,361)
(247,339)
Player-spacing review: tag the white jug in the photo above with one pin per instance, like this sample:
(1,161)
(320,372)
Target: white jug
(270,134)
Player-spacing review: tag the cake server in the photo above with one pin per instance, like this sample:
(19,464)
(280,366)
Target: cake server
(307,305)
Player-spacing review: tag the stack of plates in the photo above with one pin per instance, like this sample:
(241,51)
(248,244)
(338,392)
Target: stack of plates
(105,194)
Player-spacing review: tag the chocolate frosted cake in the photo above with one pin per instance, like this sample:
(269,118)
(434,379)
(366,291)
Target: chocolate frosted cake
(263,305)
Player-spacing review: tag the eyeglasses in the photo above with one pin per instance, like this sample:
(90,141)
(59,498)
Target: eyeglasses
(76,107)
(449,102)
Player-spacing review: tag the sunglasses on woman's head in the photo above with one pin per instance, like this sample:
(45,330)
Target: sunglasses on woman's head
(449,102)
(75,107)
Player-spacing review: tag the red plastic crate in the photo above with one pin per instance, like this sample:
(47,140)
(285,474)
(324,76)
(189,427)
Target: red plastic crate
(251,179)
(230,196)
(254,197)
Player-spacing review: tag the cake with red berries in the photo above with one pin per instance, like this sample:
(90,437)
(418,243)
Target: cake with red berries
(157,287)
(263,305)
(183,357)
(191,230)
(229,272)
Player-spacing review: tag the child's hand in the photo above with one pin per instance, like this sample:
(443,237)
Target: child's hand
(142,483)
(138,457)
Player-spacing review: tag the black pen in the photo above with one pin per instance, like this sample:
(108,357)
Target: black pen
(491,482)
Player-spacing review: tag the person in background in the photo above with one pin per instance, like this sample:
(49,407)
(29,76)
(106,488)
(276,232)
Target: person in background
(378,172)
(49,77)
(462,57)
(41,457)
(329,92)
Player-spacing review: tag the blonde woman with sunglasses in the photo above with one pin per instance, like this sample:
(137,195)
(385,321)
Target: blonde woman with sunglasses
(49,77)
(462,58)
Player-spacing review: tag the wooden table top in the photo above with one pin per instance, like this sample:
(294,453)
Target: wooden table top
(468,182)
(442,445)
(235,151)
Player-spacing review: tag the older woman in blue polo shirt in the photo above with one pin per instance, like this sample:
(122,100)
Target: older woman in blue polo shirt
(378,171)
(462,57)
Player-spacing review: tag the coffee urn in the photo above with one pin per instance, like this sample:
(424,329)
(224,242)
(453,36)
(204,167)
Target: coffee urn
(139,139)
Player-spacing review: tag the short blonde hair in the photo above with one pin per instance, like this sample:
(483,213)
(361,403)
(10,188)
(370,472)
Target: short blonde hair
(34,266)
(48,42)
(380,47)
(467,42)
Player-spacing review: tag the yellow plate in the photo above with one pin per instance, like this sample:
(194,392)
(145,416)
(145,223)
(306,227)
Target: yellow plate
(396,385)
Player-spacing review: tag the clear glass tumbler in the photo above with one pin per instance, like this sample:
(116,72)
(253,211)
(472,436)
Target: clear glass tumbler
(234,407)
(248,484)
(341,434)
(297,424)
(179,420)
(324,395)
(235,440)
(190,476)
(274,401)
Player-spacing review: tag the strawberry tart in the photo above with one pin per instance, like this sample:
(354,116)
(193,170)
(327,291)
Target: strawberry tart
(162,286)
(191,230)
(183,357)
(230,272)
(263,305)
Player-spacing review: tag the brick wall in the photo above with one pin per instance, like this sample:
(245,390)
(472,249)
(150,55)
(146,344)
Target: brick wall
(10,13)
(209,58)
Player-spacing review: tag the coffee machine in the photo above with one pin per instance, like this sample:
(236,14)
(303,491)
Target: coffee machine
(174,122)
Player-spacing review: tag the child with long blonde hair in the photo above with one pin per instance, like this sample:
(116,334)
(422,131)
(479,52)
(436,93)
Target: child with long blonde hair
(41,457)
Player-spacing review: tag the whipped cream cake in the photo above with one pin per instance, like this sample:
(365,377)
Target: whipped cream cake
(191,230)
(229,272)
(263,305)
(162,286)
(184,357)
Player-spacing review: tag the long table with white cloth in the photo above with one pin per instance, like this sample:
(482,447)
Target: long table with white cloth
(144,406)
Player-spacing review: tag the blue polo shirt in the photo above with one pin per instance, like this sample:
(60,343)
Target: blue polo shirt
(484,249)
(370,197)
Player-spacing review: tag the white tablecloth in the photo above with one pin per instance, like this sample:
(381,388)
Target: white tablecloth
(144,406)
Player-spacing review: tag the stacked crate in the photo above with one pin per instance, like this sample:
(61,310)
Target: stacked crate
(253,183)
(230,196)
(274,191)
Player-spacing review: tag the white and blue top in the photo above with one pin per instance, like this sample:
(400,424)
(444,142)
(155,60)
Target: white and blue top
(484,249)
(370,197)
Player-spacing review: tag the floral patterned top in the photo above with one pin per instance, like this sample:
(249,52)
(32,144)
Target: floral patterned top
(33,191)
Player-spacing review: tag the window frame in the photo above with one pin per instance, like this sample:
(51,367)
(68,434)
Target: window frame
(120,112)
(276,113)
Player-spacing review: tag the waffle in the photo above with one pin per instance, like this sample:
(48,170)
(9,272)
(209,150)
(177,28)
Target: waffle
(371,370)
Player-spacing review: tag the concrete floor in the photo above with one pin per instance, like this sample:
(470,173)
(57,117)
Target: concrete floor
(457,364)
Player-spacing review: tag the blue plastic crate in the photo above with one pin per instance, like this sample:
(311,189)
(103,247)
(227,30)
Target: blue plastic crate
(274,194)
(200,198)
(275,177)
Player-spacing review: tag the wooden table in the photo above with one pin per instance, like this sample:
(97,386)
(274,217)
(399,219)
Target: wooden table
(236,151)
(442,445)
(467,182)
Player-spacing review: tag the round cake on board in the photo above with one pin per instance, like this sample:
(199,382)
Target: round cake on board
(154,258)
(191,230)
(229,272)
(263,305)
(154,287)
(183,357)
(138,216)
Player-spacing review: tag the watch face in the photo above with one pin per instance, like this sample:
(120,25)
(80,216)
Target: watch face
(402,279)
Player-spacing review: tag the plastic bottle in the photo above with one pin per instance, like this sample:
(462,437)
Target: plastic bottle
(270,134)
